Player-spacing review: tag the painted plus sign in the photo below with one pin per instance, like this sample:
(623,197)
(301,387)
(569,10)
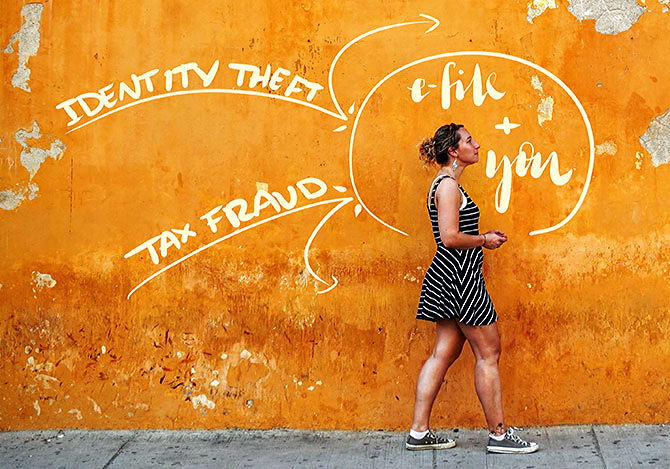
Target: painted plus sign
(506,125)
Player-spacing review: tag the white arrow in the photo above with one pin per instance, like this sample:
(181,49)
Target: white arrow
(338,115)
(433,21)
(332,211)
(341,203)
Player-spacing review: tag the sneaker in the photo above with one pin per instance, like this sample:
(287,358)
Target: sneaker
(511,444)
(429,441)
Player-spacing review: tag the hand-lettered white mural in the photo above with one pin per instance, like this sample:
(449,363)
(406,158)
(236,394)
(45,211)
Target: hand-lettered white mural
(548,140)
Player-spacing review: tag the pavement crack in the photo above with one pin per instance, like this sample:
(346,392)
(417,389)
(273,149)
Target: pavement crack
(118,451)
(434,459)
(597,443)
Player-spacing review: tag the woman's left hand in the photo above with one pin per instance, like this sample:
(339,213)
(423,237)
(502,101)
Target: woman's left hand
(501,234)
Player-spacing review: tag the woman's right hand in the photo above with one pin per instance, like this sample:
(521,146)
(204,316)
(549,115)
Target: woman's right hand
(494,239)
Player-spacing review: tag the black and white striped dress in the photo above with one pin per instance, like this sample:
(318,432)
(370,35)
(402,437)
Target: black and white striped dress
(454,284)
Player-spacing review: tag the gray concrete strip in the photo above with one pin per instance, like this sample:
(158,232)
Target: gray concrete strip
(470,450)
(271,448)
(565,446)
(629,446)
(74,448)
(561,446)
(183,448)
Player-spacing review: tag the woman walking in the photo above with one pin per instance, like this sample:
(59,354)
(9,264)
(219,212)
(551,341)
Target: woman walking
(454,296)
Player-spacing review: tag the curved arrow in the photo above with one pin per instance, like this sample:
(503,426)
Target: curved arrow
(332,212)
(434,21)
(342,201)
(338,115)
(208,91)
(513,58)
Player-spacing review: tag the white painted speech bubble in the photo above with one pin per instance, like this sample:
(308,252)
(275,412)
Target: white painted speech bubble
(540,69)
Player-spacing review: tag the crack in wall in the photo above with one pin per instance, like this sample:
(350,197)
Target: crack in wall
(28,39)
(612,16)
(656,140)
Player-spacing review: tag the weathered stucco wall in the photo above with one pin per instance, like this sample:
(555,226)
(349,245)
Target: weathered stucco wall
(136,294)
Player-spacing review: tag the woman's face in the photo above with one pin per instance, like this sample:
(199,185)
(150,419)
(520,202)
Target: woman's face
(468,148)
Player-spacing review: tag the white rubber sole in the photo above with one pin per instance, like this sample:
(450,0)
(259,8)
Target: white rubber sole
(435,446)
(504,450)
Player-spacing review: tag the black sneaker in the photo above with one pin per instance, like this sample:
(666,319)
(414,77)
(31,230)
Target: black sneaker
(511,444)
(429,441)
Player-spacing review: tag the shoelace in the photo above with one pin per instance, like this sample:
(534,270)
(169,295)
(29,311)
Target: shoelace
(511,436)
(433,436)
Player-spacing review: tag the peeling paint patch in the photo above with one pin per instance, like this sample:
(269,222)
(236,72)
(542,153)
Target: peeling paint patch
(43,280)
(254,276)
(536,83)
(201,400)
(537,7)
(608,147)
(545,110)
(612,16)
(36,405)
(33,157)
(11,199)
(28,39)
(656,140)
(33,366)
(245,354)
(96,407)
(45,380)
(76,412)
(638,160)
(409,276)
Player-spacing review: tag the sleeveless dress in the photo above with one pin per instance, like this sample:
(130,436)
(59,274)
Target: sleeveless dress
(453,287)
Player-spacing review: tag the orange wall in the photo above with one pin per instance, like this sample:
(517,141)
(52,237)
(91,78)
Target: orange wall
(238,333)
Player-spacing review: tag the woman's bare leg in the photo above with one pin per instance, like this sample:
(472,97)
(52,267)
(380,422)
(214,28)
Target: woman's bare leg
(449,342)
(485,344)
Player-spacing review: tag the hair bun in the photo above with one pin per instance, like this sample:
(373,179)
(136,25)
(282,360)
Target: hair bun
(427,150)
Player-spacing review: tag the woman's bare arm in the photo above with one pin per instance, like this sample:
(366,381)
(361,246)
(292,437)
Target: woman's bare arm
(448,202)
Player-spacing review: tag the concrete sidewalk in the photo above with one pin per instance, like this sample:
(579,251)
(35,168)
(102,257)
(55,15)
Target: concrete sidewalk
(585,446)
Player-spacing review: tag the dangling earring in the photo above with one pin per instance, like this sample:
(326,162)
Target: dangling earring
(454,165)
